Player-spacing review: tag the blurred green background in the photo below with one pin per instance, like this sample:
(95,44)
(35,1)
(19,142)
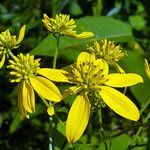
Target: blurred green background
(124,21)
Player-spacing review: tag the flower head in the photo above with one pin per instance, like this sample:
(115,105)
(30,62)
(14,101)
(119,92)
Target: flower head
(9,42)
(147,68)
(91,77)
(63,25)
(26,71)
(108,51)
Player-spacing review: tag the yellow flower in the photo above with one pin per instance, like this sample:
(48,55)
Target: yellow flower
(93,83)
(9,42)
(63,25)
(26,71)
(147,68)
(108,51)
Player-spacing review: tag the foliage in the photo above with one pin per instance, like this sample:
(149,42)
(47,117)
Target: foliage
(125,22)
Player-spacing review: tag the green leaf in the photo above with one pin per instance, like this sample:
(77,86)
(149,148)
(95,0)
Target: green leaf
(102,27)
(16,124)
(137,22)
(120,142)
(75,8)
(57,136)
(134,63)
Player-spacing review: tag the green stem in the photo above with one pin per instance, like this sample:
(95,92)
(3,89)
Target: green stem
(144,107)
(44,101)
(101,129)
(98,8)
(10,53)
(56,51)
(51,144)
(124,91)
(133,140)
(127,130)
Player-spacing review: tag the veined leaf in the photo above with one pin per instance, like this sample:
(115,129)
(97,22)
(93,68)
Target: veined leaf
(102,27)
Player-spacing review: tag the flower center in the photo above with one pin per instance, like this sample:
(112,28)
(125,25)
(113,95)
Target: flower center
(7,40)
(107,50)
(23,67)
(62,24)
(88,75)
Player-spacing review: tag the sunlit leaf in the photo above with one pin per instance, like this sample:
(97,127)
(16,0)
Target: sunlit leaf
(102,27)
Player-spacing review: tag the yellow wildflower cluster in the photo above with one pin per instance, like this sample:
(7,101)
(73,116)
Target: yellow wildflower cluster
(108,51)
(9,42)
(26,70)
(63,25)
(89,76)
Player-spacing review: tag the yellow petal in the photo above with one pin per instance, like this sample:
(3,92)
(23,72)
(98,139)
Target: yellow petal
(123,80)
(147,68)
(85,57)
(45,88)
(50,110)
(54,74)
(83,35)
(119,103)
(20,100)
(78,118)
(46,17)
(28,97)
(102,65)
(2,61)
(21,34)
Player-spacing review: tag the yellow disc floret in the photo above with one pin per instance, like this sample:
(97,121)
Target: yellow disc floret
(89,73)
(61,24)
(106,50)
(23,67)
(7,40)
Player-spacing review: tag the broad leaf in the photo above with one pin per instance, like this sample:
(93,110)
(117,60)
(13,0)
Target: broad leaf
(102,27)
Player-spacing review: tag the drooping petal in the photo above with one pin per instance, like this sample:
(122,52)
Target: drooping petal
(119,103)
(21,34)
(123,80)
(2,61)
(46,88)
(31,96)
(20,100)
(78,118)
(28,97)
(83,35)
(54,74)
